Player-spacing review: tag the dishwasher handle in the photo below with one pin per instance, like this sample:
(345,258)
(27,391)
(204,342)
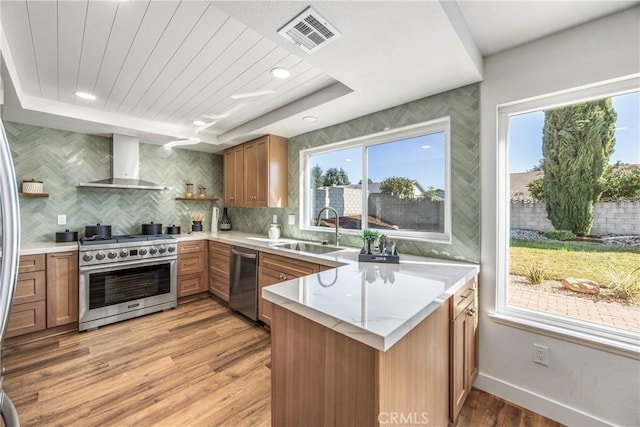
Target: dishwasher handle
(244,254)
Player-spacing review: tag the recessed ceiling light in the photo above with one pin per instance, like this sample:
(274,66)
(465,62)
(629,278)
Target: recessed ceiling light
(280,73)
(348,160)
(310,119)
(252,94)
(85,95)
(425,147)
(199,123)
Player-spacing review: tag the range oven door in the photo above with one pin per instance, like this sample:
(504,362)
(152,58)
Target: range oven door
(110,293)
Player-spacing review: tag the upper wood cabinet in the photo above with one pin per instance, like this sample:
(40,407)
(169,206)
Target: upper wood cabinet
(261,180)
(233,176)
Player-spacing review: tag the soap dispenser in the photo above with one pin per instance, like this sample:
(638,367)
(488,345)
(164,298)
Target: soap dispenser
(274,229)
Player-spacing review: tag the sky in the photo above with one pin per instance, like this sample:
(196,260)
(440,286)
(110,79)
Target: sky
(525,135)
(420,158)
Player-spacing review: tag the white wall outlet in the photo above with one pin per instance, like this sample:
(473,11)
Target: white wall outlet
(541,354)
(292,219)
(62,220)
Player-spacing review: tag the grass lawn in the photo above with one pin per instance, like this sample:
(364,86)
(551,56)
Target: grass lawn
(585,260)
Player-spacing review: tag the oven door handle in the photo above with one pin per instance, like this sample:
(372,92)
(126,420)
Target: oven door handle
(125,264)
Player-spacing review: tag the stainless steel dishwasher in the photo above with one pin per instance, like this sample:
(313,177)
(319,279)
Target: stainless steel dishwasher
(243,295)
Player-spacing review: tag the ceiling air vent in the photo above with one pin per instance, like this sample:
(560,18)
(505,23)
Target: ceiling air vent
(309,31)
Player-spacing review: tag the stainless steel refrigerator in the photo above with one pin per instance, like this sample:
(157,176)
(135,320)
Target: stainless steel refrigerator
(9,257)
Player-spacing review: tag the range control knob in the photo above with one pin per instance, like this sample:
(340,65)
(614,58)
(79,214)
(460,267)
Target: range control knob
(99,256)
(87,257)
(142,251)
(112,255)
(124,254)
(162,250)
(172,249)
(153,251)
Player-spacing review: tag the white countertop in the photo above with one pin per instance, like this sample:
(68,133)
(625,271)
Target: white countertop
(376,304)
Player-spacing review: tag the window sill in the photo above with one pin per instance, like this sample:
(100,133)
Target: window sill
(538,326)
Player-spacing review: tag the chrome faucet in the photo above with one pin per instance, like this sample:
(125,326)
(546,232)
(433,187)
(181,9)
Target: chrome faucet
(335,212)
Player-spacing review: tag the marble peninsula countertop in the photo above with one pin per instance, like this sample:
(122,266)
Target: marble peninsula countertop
(374,303)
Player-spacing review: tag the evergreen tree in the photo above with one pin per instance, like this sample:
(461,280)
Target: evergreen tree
(576,144)
(335,176)
(316,177)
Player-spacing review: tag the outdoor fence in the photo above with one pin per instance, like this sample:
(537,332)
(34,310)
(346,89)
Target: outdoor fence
(608,217)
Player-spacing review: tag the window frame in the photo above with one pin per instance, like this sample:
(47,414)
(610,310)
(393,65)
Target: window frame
(592,334)
(442,124)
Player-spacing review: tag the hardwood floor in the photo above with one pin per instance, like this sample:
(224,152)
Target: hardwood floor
(197,365)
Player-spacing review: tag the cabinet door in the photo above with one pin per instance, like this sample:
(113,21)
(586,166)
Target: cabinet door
(233,176)
(250,173)
(28,317)
(464,356)
(62,288)
(266,277)
(261,172)
(471,344)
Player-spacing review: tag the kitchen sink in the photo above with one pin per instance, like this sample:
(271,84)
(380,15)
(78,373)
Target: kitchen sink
(309,248)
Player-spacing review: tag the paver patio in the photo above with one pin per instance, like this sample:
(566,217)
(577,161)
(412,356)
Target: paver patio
(602,312)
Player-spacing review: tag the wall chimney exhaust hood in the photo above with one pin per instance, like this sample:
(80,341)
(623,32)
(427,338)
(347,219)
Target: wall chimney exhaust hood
(125,167)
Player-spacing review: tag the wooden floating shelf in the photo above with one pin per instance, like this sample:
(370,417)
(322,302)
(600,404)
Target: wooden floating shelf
(33,195)
(195,199)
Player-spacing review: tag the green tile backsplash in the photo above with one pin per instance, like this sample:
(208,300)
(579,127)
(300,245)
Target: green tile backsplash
(63,159)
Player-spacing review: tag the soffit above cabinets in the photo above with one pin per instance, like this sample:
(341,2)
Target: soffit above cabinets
(156,66)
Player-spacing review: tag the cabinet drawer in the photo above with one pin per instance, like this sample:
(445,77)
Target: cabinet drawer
(190,284)
(30,287)
(219,248)
(461,299)
(289,267)
(219,285)
(29,263)
(220,263)
(191,247)
(192,263)
(28,317)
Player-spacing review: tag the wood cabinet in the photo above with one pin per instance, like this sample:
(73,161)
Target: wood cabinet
(192,267)
(256,173)
(220,269)
(62,288)
(233,176)
(463,341)
(28,312)
(274,269)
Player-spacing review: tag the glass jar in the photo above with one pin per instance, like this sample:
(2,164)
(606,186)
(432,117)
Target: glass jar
(189,192)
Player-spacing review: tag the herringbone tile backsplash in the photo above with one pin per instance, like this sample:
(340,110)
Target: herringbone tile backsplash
(63,159)
(463,106)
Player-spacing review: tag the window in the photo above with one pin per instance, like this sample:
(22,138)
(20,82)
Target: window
(396,182)
(546,246)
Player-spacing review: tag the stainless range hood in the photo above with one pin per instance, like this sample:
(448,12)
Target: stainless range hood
(125,167)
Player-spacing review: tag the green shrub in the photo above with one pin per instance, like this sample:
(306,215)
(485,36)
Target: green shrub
(535,275)
(560,235)
(625,285)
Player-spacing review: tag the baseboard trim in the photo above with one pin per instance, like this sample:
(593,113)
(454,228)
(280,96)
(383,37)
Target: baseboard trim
(536,403)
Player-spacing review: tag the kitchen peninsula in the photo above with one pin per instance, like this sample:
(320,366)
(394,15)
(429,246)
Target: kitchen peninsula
(366,344)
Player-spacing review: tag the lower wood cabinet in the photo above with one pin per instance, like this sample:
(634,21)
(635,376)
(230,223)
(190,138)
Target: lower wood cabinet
(46,293)
(29,310)
(463,339)
(274,269)
(220,269)
(62,288)
(192,267)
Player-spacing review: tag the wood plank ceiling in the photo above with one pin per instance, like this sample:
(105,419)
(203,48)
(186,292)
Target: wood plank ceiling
(174,62)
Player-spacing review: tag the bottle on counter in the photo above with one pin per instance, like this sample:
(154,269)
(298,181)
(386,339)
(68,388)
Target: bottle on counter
(225,222)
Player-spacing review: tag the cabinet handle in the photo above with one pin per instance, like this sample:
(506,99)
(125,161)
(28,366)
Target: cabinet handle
(471,312)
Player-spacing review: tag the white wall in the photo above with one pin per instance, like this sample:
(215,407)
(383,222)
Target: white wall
(582,385)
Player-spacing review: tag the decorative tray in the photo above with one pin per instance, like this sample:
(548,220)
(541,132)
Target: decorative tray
(379,257)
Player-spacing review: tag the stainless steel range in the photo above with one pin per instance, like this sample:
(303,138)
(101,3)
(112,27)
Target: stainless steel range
(125,277)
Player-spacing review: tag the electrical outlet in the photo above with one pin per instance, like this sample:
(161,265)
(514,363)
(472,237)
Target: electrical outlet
(292,219)
(62,220)
(541,354)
